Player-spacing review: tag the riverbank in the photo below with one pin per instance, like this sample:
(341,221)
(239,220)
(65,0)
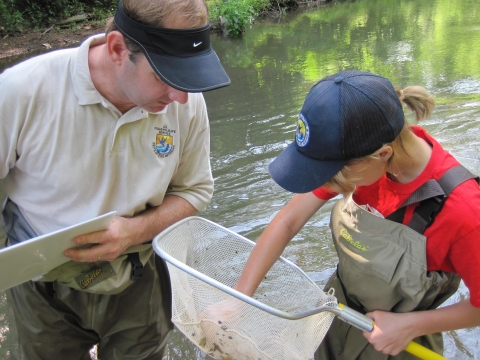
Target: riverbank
(73,30)
(33,41)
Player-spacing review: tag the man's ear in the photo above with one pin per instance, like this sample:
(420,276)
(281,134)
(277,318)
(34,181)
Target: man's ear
(384,153)
(117,49)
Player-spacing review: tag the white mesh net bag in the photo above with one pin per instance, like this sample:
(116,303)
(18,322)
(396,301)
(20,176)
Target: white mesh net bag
(287,317)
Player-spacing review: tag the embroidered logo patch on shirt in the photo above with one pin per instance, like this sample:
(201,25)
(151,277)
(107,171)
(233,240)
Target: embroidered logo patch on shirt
(164,141)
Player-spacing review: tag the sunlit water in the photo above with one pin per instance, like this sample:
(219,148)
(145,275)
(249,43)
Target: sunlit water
(272,67)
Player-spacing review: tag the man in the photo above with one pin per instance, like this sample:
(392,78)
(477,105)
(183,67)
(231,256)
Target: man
(118,124)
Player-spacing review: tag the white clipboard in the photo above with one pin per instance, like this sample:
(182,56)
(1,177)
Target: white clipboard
(37,256)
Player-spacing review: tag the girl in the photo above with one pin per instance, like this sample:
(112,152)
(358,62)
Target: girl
(406,230)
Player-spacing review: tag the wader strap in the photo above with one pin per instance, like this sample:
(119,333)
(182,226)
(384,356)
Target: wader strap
(398,215)
(425,213)
(51,294)
(454,177)
(431,195)
(14,223)
(137,266)
(349,302)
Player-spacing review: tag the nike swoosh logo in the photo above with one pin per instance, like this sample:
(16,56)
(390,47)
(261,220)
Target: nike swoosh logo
(196,44)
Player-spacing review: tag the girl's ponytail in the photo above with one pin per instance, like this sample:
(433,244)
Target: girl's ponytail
(418,100)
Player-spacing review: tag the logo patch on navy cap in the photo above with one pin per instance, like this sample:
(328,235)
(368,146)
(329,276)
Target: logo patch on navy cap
(303,131)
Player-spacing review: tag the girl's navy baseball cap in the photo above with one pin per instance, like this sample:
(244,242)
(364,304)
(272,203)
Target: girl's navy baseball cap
(183,58)
(345,116)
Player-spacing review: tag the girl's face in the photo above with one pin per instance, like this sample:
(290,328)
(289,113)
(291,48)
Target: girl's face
(367,172)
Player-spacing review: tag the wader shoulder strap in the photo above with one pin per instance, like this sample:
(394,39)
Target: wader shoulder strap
(14,223)
(431,195)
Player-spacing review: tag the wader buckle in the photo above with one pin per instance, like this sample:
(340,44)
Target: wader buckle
(429,208)
(137,266)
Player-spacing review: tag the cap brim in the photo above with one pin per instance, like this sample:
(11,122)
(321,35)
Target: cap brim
(299,174)
(190,74)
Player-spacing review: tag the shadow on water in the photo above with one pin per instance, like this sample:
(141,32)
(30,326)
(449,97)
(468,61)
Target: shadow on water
(272,67)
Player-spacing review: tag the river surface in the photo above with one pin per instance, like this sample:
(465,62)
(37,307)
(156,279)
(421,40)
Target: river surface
(273,66)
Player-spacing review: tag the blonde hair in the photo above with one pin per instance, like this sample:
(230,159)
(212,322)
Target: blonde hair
(421,103)
(174,14)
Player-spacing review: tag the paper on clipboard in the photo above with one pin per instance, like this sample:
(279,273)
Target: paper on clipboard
(37,256)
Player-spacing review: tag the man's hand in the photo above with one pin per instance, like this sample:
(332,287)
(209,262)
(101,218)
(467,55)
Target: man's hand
(124,232)
(392,331)
(106,245)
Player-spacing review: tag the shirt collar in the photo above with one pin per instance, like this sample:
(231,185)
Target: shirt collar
(82,80)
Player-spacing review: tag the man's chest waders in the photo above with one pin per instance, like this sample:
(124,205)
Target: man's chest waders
(382,266)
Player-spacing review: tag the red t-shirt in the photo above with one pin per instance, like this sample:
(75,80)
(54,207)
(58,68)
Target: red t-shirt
(453,240)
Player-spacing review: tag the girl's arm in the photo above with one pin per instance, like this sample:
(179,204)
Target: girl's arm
(270,245)
(393,331)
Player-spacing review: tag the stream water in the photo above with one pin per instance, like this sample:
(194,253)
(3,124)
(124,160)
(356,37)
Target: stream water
(272,67)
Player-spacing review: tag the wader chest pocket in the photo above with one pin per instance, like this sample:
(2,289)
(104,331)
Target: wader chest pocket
(379,259)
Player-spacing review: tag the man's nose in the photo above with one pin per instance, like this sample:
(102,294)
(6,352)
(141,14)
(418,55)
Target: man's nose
(177,95)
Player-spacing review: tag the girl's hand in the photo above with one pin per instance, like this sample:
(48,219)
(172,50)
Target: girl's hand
(218,336)
(223,312)
(392,331)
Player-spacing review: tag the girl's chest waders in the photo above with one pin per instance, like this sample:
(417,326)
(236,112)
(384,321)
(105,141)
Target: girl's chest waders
(382,266)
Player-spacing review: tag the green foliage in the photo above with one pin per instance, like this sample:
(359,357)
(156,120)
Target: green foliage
(236,15)
(214,9)
(10,17)
(104,8)
(43,13)
(260,5)
(17,15)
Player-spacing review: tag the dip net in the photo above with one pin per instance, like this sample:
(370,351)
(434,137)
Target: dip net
(205,261)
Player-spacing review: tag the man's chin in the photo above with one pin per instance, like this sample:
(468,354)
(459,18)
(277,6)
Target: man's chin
(153,109)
